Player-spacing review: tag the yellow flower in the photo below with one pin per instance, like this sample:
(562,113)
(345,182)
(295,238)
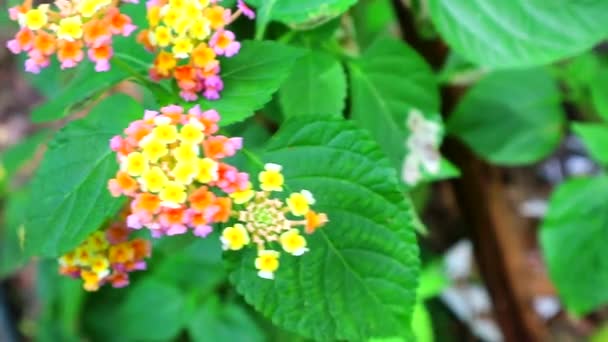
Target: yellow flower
(153,15)
(97,241)
(240,197)
(153,148)
(186,153)
(271,178)
(234,238)
(154,179)
(91,280)
(162,36)
(88,7)
(207,170)
(68,259)
(293,243)
(299,202)
(184,172)
(35,19)
(173,194)
(267,263)
(170,15)
(83,256)
(182,26)
(165,133)
(182,48)
(192,132)
(200,29)
(136,164)
(100,266)
(70,28)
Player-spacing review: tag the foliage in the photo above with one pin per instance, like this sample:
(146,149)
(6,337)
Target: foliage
(325,108)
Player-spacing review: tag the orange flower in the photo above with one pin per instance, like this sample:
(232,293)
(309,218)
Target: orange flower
(148,202)
(69,53)
(173,216)
(121,253)
(202,56)
(44,43)
(314,221)
(164,64)
(201,199)
(217,16)
(97,32)
(142,248)
(224,205)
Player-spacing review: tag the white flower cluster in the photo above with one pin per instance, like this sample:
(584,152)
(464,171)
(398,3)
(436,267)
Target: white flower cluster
(423,146)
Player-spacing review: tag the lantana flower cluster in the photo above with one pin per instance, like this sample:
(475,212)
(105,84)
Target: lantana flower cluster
(170,165)
(265,221)
(106,257)
(423,145)
(66,29)
(187,37)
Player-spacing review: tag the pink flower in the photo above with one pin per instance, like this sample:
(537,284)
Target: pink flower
(188,95)
(202,230)
(223,43)
(150,114)
(116,143)
(248,12)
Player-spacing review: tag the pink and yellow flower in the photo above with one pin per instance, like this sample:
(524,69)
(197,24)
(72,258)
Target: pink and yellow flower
(188,36)
(69,29)
(106,257)
(171,167)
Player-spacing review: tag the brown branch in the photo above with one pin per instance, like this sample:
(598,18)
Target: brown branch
(484,206)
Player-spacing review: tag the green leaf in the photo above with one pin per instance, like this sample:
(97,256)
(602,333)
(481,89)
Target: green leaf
(573,238)
(200,254)
(152,311)
(510,117)
(422,324)
(86,84)
(519,33)
(17,156)
(359,278)
(599,92)
(251,77)
(11,255)
(317,85)
(215,321)
(372,18)
(432,281)
(595,138)
(69,191)
(302,14)
(387,82)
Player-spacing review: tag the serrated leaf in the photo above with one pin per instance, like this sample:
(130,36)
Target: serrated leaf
(302,13)
(215,321)
(69,197)
(595,138)
(86,84)
(510,117)
(519,33)
(316,85)
(251,77)
(388,81)
(154,312)
(573,240)
(359,278)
